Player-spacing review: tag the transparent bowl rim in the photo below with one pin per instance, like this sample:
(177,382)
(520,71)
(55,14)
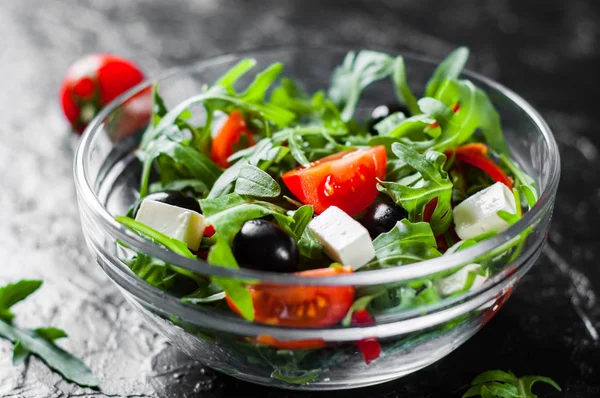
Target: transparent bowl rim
(374,277)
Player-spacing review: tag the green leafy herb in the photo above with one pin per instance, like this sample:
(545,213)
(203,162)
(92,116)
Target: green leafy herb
(500,384)
(451,68)
(403,91)
(299,378)
(252,181)
(229,212)
(302,217)
(429,182)
(220,255)
(357,72)
(523,182)
(41,341)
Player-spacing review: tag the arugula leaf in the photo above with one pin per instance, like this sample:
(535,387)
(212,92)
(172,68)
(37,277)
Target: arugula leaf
(403,91)
(13,293)
(302,378)
(406,243)
(252,181)
(390,123)
(290,96)
(355,74)
(257,90)
(525,184)
(451,67)
(220,254)
(476,111)
(309,246)
(302,216)
(39,342)
(207,293)
(429,182)
(230,77)
(501,384)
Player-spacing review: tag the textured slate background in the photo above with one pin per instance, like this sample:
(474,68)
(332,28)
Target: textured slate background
(547,51)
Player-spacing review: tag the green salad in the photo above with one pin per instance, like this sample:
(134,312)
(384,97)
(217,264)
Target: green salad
(278,179)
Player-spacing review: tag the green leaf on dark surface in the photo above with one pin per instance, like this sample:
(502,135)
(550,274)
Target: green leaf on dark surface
(39,342)
(354,75)
(13,293)
(256,91)
(451,67)
(403,91)
(501,384)
(252,181)
(429,182)
(230,77)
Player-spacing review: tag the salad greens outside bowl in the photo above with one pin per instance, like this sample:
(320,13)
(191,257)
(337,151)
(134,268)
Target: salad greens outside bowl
(413,331)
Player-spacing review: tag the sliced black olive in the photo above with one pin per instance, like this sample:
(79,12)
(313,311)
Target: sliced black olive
(173,198)
(382,217)
(265,246)
(383,111)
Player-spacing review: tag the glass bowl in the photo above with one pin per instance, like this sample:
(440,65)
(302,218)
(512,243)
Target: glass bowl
(107,175)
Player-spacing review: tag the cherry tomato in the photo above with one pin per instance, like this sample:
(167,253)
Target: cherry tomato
(92,82)
(225,142)
(347,180)
(301,306)
(368,347)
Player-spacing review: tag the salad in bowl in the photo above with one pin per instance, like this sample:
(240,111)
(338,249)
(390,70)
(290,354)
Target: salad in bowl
(322,237)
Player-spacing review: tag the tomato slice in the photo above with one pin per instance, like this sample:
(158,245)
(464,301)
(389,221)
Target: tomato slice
(347,180)
(301,306)
(224,143)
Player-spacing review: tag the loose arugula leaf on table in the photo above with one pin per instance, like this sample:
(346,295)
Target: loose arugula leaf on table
(252,181)
(451,67)
(355,73)
(403,91)
(429,182)
(501,384)
(41,341)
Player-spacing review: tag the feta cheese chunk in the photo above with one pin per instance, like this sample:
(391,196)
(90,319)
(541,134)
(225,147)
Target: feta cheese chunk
(458,281)
(479,212)
(176,222)
(344,239)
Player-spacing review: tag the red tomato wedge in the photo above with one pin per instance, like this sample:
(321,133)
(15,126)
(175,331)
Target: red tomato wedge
(92,82)
(476,156)
(301,306)
(229,136)
(347,180)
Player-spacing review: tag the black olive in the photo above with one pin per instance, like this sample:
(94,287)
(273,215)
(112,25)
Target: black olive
(382,217)
(173,198)
(383,111)
(265,246)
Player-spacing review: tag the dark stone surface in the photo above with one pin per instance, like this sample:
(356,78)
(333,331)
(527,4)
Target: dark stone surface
(547,51)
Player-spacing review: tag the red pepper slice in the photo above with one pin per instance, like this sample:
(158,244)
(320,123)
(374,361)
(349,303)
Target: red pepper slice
(369,347)
(475,155)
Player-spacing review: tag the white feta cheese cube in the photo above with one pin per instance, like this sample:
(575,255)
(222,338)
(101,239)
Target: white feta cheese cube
(344,239)
(178,223)
(479,212)
(457,281)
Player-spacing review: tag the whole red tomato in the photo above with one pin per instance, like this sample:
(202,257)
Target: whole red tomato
(92,82)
